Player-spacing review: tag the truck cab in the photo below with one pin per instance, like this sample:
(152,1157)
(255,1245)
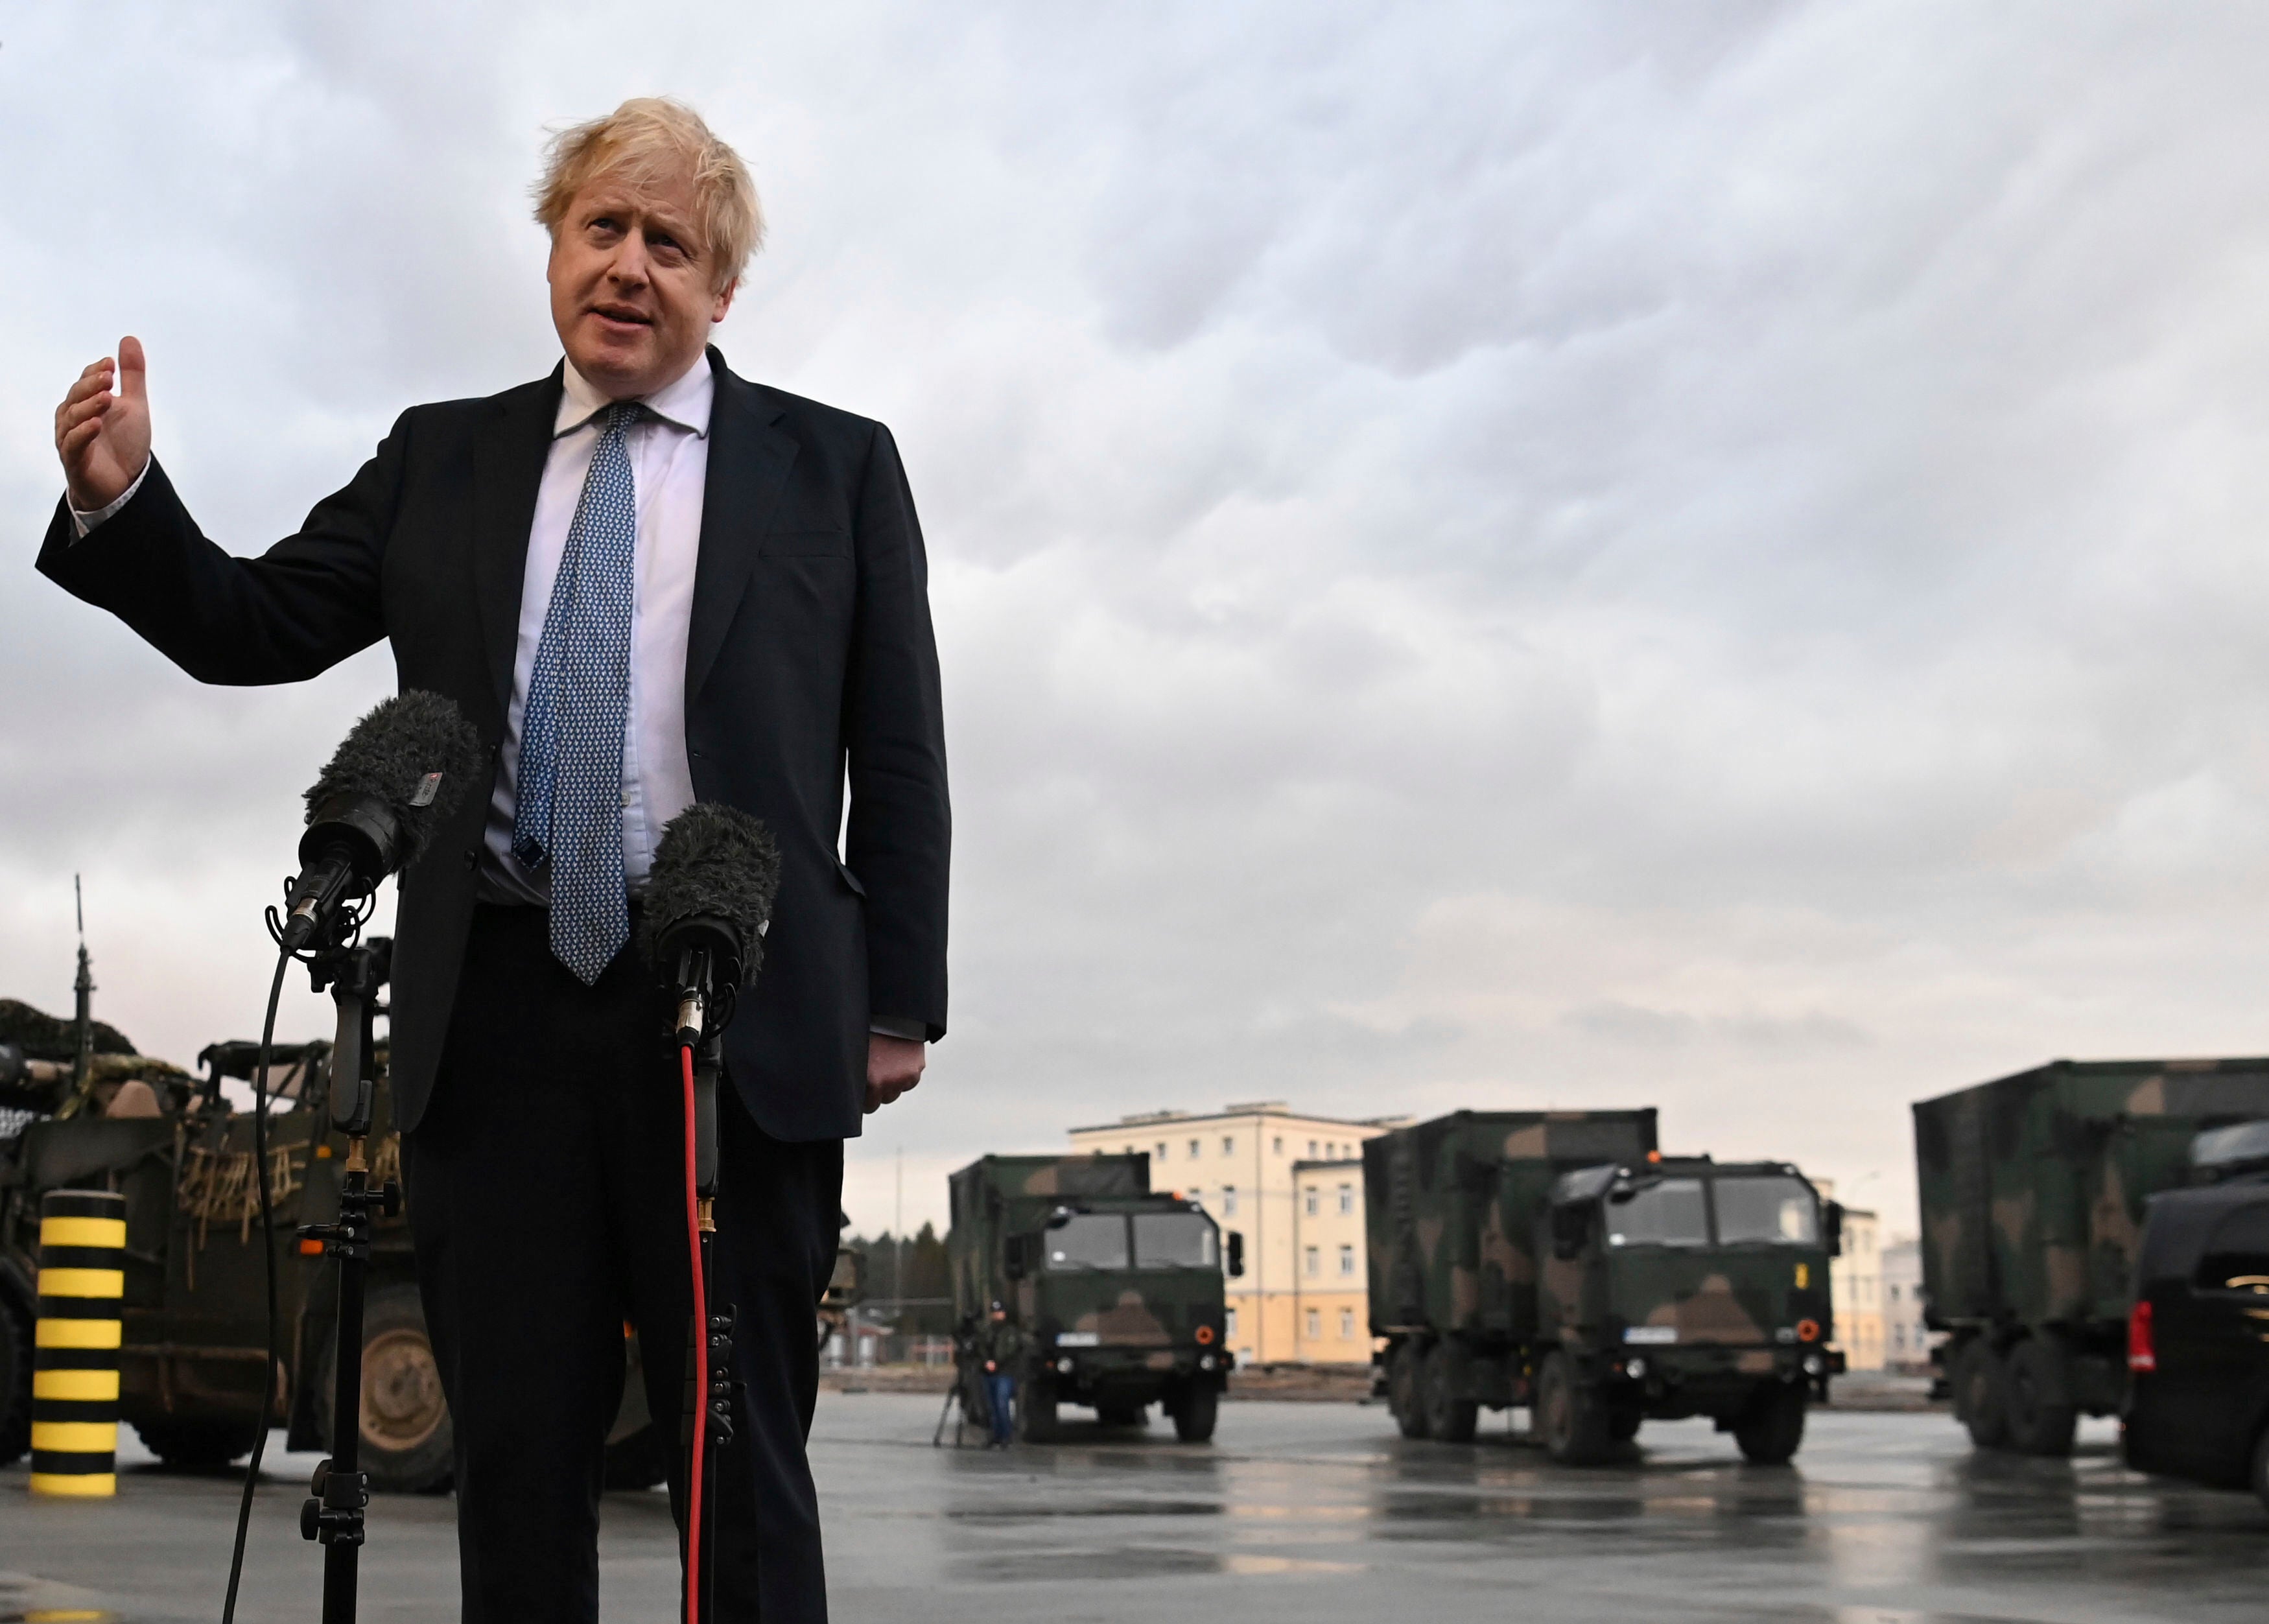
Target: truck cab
(1683,1287)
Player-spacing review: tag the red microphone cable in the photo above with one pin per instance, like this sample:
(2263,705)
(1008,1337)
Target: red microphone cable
(700,1358)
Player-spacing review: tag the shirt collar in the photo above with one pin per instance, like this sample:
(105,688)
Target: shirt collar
(684,403)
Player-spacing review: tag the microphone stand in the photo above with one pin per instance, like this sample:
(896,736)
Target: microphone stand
(341,1489)
(708,1416)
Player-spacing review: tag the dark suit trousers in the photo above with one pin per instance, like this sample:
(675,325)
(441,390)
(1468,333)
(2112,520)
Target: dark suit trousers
(546,1195)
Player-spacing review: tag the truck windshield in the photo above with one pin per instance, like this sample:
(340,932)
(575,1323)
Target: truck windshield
(1773,1209)
(1088,1241)
(1173,1241)
(1666,1213)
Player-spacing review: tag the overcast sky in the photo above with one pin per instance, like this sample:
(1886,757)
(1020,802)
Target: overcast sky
(1696,555)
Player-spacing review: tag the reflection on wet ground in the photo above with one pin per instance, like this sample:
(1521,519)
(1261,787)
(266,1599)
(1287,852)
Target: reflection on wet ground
(1313,1511)
(1296,1512)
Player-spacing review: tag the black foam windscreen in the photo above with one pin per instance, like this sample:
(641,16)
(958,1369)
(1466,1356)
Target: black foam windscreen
(713,864)
(416,754)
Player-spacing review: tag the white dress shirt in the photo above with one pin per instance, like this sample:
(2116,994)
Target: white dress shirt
(668,452)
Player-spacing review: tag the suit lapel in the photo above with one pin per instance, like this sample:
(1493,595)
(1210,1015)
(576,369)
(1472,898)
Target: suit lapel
(748,461)
(509,450)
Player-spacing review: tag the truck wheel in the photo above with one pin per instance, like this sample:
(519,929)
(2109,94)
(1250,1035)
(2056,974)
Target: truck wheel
(1569,1417)
(1622,1425)
(1402,1388)
(1771,1427)
(1448,1417)
(1196,1414)
(188,1446)
(408,1445)
(15,1381)
(2038,1423)
(1977,1395)
(1036,1410)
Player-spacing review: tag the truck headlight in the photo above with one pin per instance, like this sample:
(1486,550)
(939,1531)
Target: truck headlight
(1636,1369)
(1205,1361)
(1813,1364)
(1065,1366)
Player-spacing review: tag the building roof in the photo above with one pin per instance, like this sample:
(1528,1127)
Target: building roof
(1255,1108)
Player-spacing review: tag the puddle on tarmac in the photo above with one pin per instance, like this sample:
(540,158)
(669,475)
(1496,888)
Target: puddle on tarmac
(1140,1563)
(1108,1508)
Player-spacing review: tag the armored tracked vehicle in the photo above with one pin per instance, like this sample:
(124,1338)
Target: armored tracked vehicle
(2033,1190)
(1117,1290)
(1557,1260)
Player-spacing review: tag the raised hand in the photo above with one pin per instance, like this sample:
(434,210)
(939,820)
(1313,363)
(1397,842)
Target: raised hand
(104,439)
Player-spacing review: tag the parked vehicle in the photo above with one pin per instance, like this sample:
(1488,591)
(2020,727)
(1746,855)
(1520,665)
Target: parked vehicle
(2197,1337)
(1117,1290)
(1558,1260)
(2033,1191)
(194,1366)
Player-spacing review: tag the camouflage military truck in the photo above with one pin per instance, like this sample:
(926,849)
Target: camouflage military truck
(2032,1192)
(1118,1291)
(195,1361)
(1554,1260)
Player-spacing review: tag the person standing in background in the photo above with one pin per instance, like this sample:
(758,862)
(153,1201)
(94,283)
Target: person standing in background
(1004,1346)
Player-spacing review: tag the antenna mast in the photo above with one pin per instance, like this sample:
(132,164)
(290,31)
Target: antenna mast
(83,1062)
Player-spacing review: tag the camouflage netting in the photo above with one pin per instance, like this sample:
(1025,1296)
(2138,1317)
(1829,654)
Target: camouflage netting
(43,1036)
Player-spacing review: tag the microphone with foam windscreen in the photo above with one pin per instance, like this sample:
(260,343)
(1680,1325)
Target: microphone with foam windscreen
(708,902)
(402,769)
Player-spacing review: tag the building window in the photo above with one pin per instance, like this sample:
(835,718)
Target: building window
(1314,1261)
(1347,1325)
(1346,1260)
(1308,1200)
(1229,1322)
(1315,1324)
(1228,1201)
(1228,1145)
(1277,1146)
(1347,1198)
(1312,1151)
(1194,1150)
(1161,1157)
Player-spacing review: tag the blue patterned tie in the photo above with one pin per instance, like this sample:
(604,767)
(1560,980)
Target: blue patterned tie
(570,735)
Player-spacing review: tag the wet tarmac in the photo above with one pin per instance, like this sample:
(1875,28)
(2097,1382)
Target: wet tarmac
(1297,1512)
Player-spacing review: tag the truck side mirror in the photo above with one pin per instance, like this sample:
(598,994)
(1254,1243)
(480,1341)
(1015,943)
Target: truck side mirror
(1571,1226)
(1236,1253)
(1831,1222)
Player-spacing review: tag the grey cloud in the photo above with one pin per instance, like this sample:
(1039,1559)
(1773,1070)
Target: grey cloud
(1703,556)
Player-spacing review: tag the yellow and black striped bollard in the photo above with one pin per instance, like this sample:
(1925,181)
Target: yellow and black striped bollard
(74,1349)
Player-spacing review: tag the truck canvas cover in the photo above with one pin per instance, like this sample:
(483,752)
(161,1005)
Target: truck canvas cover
(1452,1207)
(2032,1186)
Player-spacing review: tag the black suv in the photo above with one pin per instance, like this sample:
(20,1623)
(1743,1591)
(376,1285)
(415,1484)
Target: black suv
(2198,1339)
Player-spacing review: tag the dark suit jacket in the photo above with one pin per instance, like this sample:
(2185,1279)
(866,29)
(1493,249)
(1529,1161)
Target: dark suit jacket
(810,647)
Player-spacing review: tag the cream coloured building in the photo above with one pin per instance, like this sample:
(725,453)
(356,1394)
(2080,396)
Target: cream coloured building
(1291,1185)
(1855,1283)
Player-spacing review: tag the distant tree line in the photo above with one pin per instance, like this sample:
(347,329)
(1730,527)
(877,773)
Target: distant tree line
(925,1276)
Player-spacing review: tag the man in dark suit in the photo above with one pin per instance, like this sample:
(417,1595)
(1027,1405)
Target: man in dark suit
(646,582)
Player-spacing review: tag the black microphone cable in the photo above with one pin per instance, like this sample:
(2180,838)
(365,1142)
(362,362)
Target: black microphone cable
(268,1245)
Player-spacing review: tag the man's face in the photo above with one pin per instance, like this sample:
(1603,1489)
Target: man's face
(633,289)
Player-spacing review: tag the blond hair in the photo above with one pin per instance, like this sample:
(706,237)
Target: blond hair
(652,139)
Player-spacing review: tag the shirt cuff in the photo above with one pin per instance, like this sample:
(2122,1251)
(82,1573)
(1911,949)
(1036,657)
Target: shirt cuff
(893,1026)
(85,523)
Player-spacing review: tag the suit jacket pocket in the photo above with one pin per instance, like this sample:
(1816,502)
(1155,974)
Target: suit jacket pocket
(805,544)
